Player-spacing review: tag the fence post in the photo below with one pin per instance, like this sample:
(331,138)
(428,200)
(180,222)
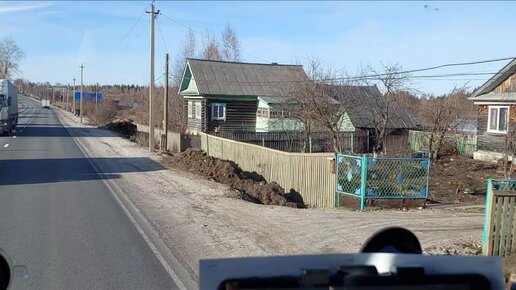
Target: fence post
(487,219)
(310,144)
(337,194)
(363,182)
(352,142)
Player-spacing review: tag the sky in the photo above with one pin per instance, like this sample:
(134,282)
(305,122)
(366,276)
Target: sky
(112,38)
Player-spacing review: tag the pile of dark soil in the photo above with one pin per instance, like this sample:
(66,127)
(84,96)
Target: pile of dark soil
(124,127)
(250,186)
(460,180)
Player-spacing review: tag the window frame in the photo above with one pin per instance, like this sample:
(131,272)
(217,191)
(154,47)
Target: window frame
(489,130)
(263,112)
(217,105)
(198,110)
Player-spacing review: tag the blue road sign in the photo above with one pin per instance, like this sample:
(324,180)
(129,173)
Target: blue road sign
(89,96)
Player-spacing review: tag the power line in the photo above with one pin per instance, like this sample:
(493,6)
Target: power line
(459,64)
(136,36)
(461,74)
(128,32)
(378,76)
(442,77)
(465,80)
(209,38)
(161,33)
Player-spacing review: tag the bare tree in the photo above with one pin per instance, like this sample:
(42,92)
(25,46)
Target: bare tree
(315,102)
(187,50)
(392,82)
(10,56)
(211,49)
(444,115)
(230,44)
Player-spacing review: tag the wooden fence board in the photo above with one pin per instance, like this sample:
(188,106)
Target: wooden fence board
(500,222)
(513,247)
(503,223)
(509,226)
(497,226)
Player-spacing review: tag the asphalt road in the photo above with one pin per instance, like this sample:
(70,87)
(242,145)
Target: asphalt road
(59,219)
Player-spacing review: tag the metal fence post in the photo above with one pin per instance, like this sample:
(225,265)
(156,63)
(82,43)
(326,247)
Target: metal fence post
(486,212)
(363,182)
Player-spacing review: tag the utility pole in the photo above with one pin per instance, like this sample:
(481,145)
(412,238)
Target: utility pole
(53,96)
(151,87)
(67,96)
(164,134)
(80,96)
(73,98)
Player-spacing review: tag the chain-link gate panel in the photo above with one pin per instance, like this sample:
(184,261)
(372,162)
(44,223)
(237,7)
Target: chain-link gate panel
(397,177)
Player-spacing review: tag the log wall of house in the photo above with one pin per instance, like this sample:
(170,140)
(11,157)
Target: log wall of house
(195,124)
(509,85)
(495,142)
(240,116)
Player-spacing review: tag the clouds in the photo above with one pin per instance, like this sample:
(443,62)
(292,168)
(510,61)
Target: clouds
(24,7)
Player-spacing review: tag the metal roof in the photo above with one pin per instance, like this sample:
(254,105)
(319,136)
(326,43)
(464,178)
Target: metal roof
(495,97)
(364,105)
(245,79)
(273,99)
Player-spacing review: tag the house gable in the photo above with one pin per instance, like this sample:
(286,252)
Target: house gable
(508,85)
(345,123)
(188,85)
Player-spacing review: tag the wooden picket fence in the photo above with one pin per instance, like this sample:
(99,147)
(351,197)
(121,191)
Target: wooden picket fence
(500,218)
(311,176)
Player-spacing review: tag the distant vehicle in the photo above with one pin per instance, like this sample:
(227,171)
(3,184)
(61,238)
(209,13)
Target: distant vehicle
(8,107)
(45,104)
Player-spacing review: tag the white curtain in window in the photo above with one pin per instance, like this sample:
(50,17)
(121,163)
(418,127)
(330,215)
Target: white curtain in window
(502,126)
(190,109)
(198,110)
(494,118)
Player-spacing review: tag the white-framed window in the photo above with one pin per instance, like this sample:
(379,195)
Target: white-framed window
(498,119)
(190,109)
(198,109)
(262,112)
(218,111)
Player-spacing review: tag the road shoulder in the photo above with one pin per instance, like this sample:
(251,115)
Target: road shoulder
(196,220)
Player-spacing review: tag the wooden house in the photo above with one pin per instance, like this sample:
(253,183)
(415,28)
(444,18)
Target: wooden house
(236,96)
(496,126)
(364,107)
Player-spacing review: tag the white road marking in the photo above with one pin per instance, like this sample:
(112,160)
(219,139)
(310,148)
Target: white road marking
(131,217)
(14,137)
(6,145)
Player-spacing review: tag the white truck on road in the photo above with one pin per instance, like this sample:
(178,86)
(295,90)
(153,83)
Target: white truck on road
(8,107)
(45,104)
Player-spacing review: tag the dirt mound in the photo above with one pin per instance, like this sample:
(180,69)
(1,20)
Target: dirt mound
(123,127)
(460,180)
(250,186)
